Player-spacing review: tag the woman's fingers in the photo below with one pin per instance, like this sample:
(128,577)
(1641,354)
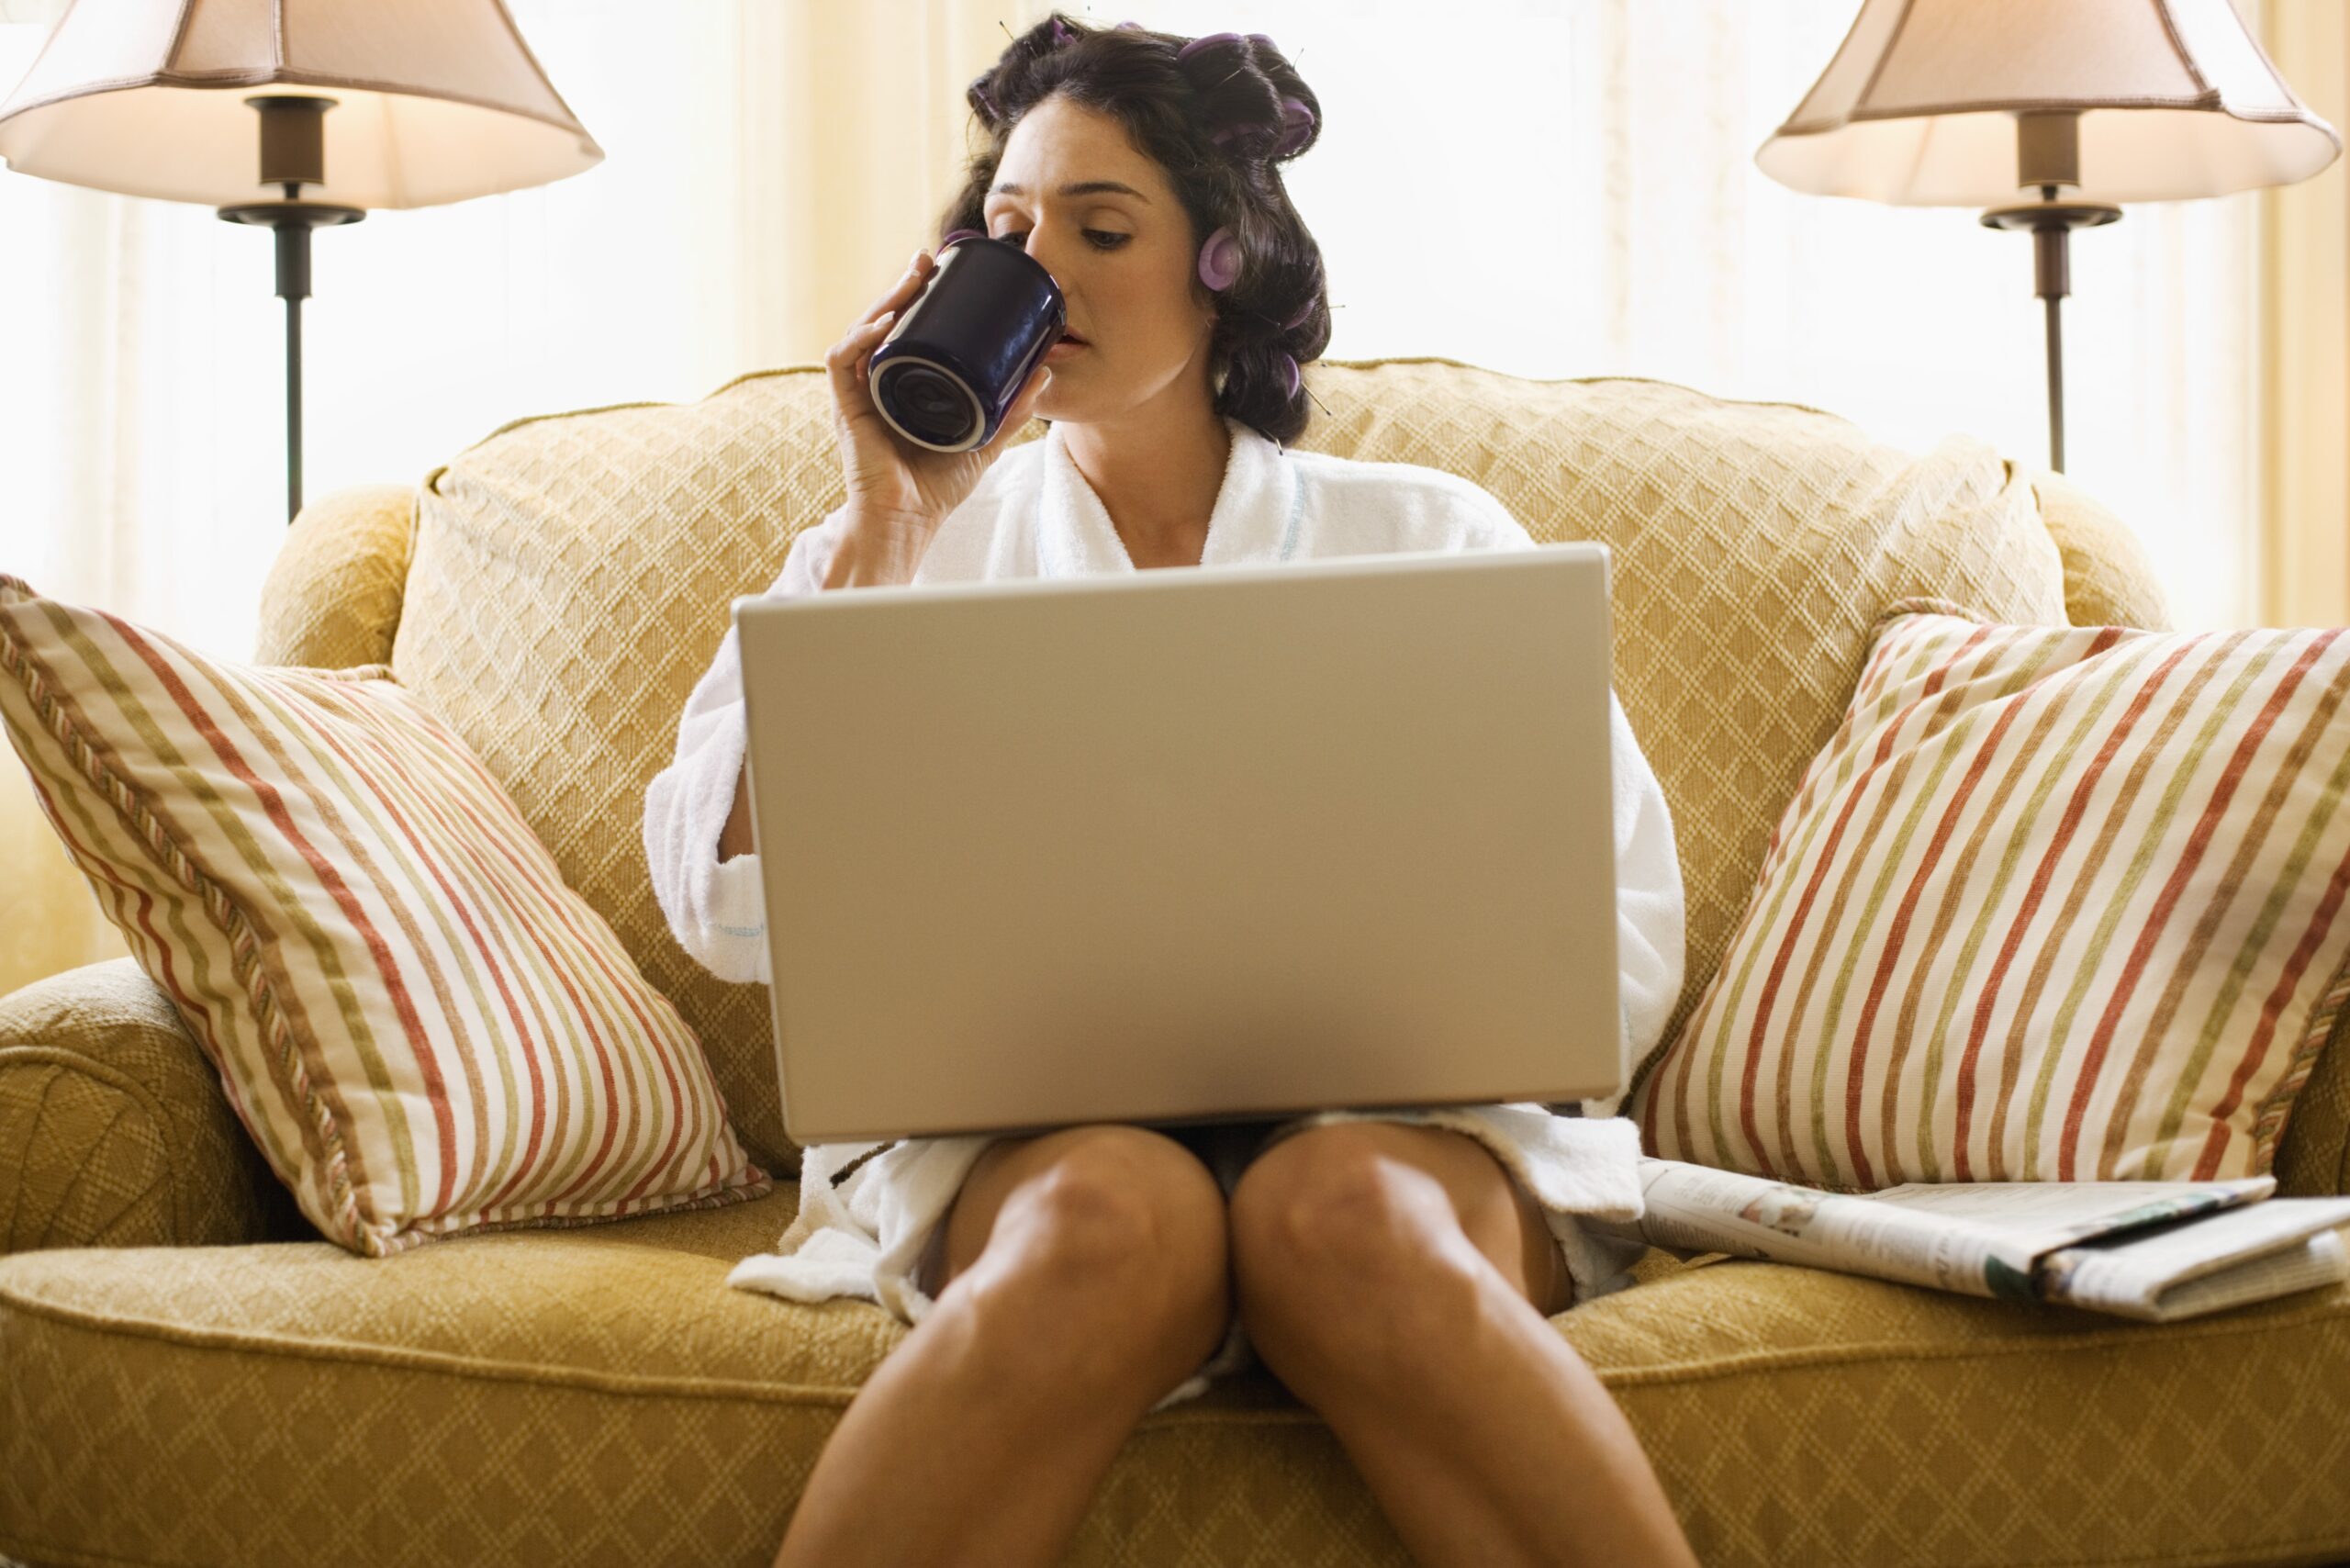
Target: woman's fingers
(909,283)
(845,363)
(1016,416)
(845,360)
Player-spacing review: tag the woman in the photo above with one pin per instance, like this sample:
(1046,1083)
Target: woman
(1395,1269)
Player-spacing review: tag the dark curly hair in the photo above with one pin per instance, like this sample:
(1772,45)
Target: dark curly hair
(1217,113)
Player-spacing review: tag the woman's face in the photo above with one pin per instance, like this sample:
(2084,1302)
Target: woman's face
(1102,219)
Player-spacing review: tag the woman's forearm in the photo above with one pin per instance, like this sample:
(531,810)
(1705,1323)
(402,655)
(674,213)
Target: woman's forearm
(878,551)
(734,838)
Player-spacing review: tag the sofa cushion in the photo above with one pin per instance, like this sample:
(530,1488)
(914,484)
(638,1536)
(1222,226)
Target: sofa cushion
(2055,904)
(603,1382)
(572,576)
(420,1026)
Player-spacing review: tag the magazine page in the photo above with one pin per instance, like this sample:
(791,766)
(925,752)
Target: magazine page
(2284,1245)
(1694,1208)
(2031,1219)
(1984,1239)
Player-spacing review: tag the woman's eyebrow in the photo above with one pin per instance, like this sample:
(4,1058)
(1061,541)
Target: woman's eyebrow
(1083,187)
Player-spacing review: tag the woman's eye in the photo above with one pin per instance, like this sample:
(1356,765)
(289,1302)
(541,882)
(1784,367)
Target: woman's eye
(1099,239)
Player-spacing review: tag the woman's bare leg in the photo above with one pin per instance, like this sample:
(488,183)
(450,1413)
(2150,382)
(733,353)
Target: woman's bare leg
(1086,1275)
(1385,1274)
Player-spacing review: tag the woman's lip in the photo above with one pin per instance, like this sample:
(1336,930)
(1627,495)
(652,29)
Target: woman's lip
(1063,349)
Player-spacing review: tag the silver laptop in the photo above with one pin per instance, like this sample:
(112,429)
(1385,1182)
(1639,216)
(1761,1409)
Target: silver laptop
(1189,845)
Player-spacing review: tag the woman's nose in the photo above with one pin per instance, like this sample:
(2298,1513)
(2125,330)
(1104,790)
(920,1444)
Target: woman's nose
(1046,250)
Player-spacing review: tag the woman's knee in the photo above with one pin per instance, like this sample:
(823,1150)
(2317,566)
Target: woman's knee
(1326,1226)
(1102,1233)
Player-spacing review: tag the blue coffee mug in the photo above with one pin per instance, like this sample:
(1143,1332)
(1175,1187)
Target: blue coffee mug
(948,371)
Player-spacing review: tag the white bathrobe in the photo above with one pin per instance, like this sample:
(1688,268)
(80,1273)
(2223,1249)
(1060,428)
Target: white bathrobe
(1034,515)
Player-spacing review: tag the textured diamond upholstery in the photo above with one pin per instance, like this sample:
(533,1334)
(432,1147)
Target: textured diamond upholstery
(332,597)
(2107,580)
(114,1127)
(571,576)
(599,1395)
(2315,1158)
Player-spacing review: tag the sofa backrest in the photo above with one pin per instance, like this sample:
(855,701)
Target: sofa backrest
(568,578)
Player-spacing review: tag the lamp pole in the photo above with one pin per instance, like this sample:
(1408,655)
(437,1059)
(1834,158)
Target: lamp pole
(2048,154)
(293,155)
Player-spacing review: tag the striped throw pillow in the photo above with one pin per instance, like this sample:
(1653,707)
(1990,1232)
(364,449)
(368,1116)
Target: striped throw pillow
(2054,903)
(423,1027)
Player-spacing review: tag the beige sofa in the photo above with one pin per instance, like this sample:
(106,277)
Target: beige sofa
(189,1375)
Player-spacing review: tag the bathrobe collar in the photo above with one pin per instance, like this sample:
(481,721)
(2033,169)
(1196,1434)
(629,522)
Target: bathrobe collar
(1255,519)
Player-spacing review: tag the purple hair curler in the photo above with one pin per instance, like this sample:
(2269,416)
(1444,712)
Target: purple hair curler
(1298,121)
(1220,261)
(1203,42)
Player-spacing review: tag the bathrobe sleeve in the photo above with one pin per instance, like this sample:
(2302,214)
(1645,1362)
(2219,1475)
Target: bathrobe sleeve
(1651,915)
(1650,912)
(715,908)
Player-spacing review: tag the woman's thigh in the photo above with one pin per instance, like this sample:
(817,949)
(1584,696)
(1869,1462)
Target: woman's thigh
(1170,1178)
(1492,1207)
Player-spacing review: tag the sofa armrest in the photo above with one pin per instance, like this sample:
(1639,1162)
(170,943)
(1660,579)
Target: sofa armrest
(334,595)
(2109,577)
(2313,1159)
(115,1130)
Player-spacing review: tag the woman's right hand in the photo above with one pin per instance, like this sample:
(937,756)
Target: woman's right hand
(894,485)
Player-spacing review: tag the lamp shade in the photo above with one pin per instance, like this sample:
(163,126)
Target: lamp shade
(1922,104)
(436,100)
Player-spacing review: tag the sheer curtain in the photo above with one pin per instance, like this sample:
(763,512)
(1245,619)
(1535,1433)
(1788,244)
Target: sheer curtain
(1567,187)
(770,166)
(1550,187)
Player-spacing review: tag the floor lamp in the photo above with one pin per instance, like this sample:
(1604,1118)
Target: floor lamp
(292,116)
(2050,116)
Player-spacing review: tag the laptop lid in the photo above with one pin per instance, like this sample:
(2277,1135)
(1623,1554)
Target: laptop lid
(1204,843)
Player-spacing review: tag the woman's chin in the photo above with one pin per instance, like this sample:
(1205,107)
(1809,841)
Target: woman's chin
(1058,401)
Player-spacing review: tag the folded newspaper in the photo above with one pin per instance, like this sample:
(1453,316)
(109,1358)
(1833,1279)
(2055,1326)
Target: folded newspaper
(2156,1250)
